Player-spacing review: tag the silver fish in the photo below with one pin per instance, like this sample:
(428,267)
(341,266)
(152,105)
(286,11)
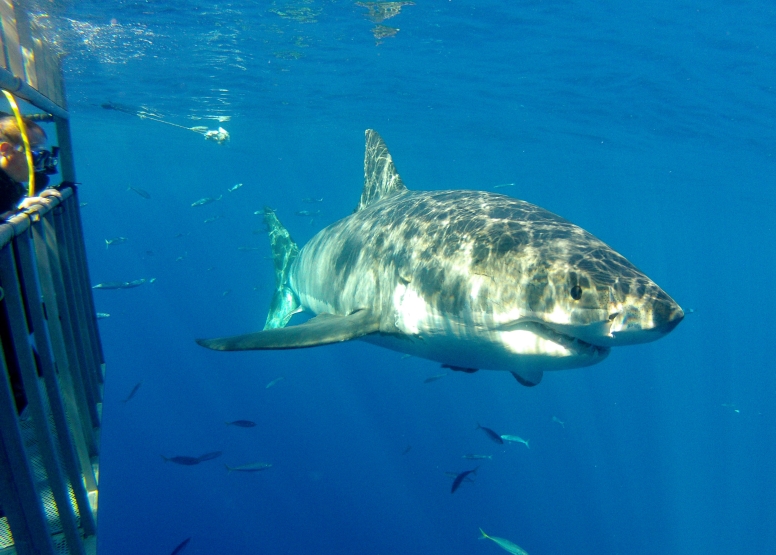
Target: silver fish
(102,315)
(141,192)
(234,187)
(516,439)
(308,212)
(115,241)
(274,382)
(250,467)
(206,200)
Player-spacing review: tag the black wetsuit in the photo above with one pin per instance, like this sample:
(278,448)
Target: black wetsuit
(11,192)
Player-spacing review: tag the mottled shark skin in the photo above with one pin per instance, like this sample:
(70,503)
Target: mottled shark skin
(470,279)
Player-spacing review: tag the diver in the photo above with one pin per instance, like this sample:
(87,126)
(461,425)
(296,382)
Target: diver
(14,171)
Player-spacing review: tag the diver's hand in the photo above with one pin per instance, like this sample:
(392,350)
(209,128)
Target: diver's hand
(28,202)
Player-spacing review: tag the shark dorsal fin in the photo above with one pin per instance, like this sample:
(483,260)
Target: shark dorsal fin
(381,180)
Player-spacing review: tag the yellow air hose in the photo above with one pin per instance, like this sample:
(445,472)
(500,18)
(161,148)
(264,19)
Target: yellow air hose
(25,140)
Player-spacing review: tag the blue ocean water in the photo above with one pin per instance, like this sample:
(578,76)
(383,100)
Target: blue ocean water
(652,126)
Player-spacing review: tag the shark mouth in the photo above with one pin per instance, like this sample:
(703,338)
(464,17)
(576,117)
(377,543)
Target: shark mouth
(574,345)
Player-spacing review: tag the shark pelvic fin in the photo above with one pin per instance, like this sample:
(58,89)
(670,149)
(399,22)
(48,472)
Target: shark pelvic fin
(528,378)
(284,251)
(381,180)
(321,330)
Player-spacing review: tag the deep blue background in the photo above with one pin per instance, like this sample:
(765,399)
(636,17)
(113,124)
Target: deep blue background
(653,127)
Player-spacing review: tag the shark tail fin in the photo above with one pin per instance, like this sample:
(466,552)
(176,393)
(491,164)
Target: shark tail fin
(284,251)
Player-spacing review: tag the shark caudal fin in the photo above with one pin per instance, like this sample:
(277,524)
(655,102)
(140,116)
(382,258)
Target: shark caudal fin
(284,251)
(381,180)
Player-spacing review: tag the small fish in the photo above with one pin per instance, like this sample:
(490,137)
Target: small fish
(274,382)
(110,285)
(461,477)
(308,212)
(516,439)
(141,192)
(225,293)
(506,545)
(152,280)
(181,546)
(490,433)
(434,378)
(115,241)
(206,200)
(182,257)
(405,357)
(102,315)
(213,219)
(234,187)
(454,475)
(178,236)
(186,461)
(134,390)
(134,283)
(473,457)
(556,419)
(209,456)
(311,200)
(503,185)
(242,423)
(407,450)
(250,467)
(83,204)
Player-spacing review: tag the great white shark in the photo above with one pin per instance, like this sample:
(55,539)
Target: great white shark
(470,279)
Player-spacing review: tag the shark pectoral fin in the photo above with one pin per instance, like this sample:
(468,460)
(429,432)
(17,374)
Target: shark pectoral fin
(528,378)
(321,330)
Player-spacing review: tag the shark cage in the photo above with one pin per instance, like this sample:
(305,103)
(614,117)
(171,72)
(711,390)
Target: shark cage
(51,361)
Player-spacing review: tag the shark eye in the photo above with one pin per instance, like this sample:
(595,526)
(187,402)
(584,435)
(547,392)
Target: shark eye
(576,292)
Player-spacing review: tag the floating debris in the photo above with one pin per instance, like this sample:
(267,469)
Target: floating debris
(115,241)
(380,11)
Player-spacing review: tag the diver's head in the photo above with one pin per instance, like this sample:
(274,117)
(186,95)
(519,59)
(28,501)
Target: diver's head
(13,159)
